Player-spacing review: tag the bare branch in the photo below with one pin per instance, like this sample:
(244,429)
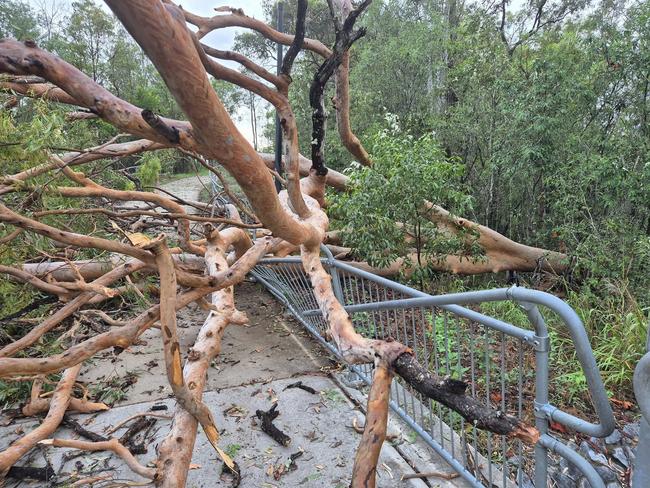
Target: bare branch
(58,406)
(298,39)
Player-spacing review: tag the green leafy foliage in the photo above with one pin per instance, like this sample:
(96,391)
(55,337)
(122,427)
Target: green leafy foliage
(25,140)
(17,20)
(385,201)
(149,169)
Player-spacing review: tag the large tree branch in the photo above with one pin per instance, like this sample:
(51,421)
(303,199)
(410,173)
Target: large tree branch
(299,38)
(180,66)
(239,19)
(374,432)
(58,406)
(280,101)
(342,106)
(40,90)
(175,452)
(172,349)
(344,39)
(20,59)
(278,81)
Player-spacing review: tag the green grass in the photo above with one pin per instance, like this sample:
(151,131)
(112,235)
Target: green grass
(616,330)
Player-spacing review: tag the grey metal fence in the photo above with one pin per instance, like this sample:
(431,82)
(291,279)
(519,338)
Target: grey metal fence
(505,364)
(641,476)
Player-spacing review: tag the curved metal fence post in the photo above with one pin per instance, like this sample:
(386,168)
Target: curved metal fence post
(641,472)
(585,467)
(587,360)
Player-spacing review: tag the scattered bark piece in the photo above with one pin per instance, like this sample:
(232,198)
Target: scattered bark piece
(41,474)
(268,427)
(299,384)
(127,439)
(76,427)
(292,460)
(150,413)
(235,411)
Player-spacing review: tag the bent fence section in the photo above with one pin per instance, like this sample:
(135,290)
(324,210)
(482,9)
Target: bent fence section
(505,364)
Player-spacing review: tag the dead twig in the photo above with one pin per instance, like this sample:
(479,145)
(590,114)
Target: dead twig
(121,424)
(76,427)
(430,474)
(300,385)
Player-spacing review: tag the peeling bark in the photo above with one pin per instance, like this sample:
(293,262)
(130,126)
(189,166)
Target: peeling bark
(374,433)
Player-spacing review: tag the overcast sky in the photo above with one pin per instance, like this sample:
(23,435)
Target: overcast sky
(222,38)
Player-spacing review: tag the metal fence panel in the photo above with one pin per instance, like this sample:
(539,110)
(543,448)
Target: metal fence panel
(505,364)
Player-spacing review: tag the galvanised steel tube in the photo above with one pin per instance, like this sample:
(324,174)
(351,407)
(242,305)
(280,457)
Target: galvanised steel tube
(587,361)
(506,328)
(541,390)
(576,459)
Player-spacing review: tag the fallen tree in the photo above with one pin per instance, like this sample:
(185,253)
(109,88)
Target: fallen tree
(293,221)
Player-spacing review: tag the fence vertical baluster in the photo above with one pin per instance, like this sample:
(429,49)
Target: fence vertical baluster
(426,360)
(472,345)
(520,405)
(504,447)
(416,352)
(437,370)
(407,343)
(459,368)
(488,372)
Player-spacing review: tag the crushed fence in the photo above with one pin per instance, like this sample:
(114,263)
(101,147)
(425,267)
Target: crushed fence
(507,365)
